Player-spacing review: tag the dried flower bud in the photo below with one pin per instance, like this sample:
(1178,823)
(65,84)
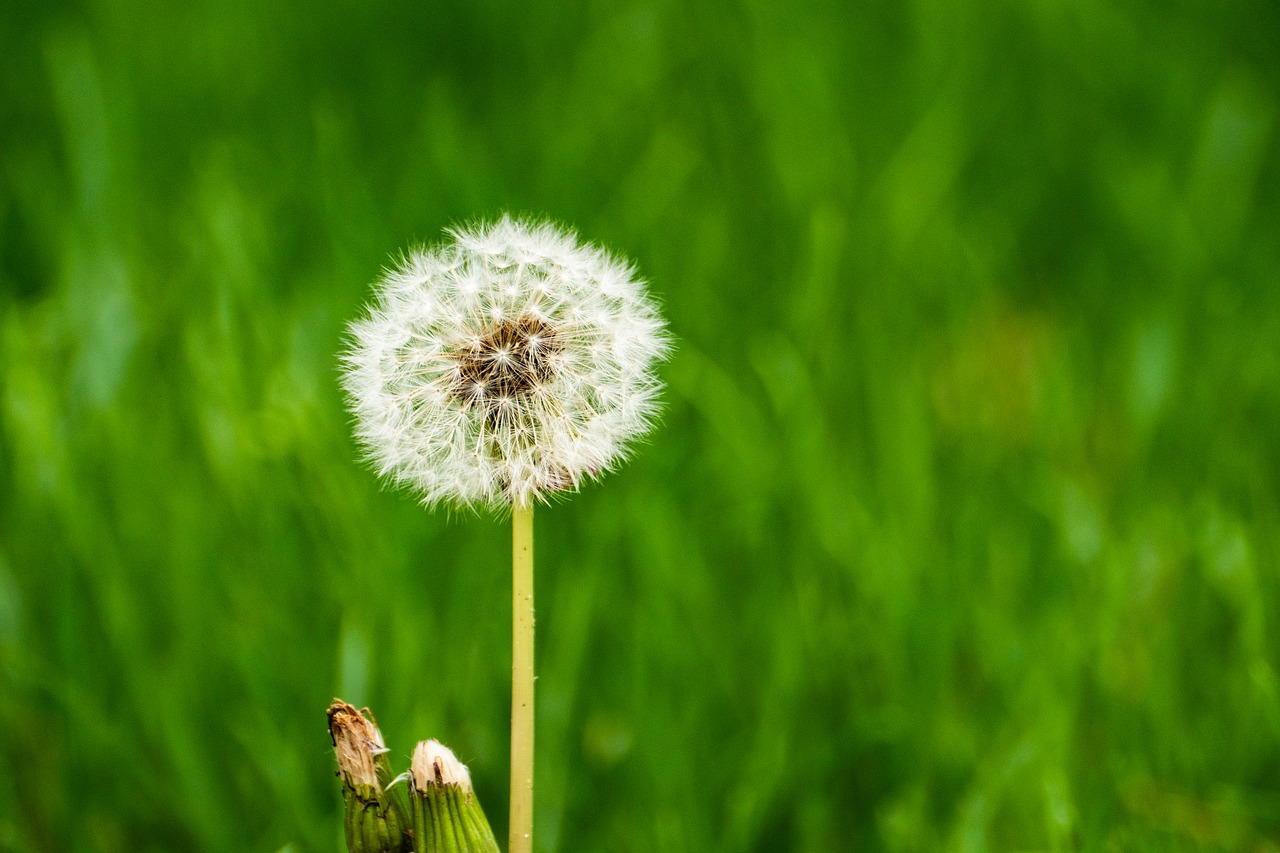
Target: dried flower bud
(357,744)
(375,822)
(447,817)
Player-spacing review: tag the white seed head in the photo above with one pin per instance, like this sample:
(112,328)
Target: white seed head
(435,764)
(503,366)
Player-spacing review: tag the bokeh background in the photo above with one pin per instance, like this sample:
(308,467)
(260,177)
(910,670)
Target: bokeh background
(962,528)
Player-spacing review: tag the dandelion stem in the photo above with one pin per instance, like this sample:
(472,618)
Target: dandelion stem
(520,839)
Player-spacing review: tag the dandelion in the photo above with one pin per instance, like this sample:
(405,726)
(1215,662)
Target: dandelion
(502,368)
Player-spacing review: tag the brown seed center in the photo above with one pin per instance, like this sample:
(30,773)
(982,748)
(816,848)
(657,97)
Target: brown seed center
(500,368)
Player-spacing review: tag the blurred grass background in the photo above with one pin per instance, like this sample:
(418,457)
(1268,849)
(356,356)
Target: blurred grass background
(962,531)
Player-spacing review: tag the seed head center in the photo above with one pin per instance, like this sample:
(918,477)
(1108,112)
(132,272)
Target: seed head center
(503,365)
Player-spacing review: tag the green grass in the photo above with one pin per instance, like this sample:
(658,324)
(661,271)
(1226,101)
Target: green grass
(962,529)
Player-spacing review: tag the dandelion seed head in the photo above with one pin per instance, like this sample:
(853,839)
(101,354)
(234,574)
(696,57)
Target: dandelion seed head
(506,365)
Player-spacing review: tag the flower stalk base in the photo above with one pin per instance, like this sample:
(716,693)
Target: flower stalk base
(373,825)
(448,819)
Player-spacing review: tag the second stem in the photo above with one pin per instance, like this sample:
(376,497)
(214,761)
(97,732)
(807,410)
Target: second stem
(520,837)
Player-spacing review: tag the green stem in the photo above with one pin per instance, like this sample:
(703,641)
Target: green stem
(520,839)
